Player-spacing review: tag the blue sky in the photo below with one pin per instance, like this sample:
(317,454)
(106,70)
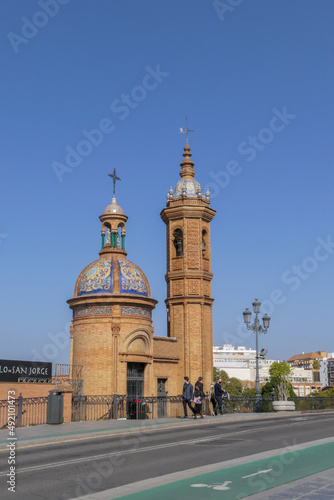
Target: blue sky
(256,81)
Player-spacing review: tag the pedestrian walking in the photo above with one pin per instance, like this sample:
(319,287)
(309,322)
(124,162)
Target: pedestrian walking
(198,397)
(212,397)
(219,396)
(187,396)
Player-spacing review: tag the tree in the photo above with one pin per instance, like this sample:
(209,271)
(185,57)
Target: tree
(267,390)
(280,376)
(232,385)
(215,373)
(316,364)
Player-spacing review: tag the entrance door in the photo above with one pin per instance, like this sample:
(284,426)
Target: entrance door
(135,390)
(162,398)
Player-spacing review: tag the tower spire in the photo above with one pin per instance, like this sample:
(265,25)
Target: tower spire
(186,131)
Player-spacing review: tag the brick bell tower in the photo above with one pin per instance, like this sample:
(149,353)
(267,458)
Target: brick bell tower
(189,302)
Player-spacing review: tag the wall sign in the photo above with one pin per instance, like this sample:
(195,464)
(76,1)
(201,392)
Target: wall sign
(12,371)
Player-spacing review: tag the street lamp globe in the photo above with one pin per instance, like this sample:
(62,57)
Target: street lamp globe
(256,305)
(266,321)
(247,316)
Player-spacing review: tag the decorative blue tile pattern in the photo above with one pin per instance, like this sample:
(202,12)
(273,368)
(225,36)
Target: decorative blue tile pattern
(97,278)
(191,187)
(131,278)
(88,311)
(136,311)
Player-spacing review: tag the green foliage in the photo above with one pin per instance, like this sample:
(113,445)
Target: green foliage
(316,364)
(248,391)
(231,385)
(323,394)
(267,390)
(234,386)
(215,374)
(279,370)
(280,379)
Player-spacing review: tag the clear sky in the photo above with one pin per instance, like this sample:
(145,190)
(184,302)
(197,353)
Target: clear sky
(256,80)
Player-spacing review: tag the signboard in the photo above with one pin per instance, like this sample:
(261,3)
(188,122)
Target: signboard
(25,371)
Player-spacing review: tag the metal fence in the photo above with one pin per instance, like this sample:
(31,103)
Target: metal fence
(28,411)
(86,408)
(32,411)
(119,406)
(313,403)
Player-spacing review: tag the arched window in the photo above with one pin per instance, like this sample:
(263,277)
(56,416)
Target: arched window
(108,234)
(121,236)
(204,242)
(178,242)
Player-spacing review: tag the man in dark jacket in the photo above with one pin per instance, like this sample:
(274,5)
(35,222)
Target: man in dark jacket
(219,396)
(187,396)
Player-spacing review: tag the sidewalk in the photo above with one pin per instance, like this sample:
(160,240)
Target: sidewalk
(42,434)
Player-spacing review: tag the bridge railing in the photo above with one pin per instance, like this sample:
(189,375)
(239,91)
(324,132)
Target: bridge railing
(33,411)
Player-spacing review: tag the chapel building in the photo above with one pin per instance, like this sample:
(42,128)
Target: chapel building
(112,335)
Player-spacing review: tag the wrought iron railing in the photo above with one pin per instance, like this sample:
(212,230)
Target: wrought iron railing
(106,407)
(28,411)
(96,407)
(33,411)
(313,403)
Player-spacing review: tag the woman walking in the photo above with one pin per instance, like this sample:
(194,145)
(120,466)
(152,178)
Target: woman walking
(198,397)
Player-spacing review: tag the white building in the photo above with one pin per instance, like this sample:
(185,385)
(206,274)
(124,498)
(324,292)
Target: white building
(324,372)
(240,362)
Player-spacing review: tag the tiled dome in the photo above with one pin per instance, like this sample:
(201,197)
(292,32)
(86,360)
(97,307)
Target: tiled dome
(113,208)
(97,278)
(191,187)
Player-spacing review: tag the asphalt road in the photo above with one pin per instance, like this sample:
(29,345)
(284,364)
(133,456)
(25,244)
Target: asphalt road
(68,470)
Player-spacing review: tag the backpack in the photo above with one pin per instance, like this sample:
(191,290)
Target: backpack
(226,396)
(197,392)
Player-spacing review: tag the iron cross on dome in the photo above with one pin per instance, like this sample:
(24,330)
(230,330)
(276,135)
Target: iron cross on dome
(114,178)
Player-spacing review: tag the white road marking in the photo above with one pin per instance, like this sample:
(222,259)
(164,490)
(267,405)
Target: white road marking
(256,473)
(216,486)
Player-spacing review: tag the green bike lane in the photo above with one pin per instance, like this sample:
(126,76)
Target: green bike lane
(247,479)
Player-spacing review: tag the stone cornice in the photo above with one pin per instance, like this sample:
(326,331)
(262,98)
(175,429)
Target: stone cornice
(112,299)
(190,299)
(206,275)
(165,339)
(184,208)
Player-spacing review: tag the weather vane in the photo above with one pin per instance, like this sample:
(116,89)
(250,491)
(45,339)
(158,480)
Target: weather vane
(186,131)
(114,178)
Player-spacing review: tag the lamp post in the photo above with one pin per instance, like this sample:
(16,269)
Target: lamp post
(257,328)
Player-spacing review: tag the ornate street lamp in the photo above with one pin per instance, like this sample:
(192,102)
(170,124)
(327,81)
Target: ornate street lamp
(257,328)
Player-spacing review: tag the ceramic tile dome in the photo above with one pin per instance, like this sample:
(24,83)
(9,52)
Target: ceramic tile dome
(113,208)
(98,277)
(189,186)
